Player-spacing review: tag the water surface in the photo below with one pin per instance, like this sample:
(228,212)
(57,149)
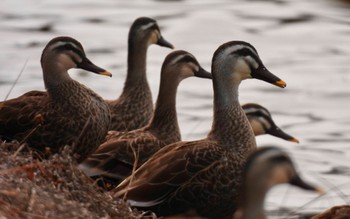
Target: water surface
(304,42)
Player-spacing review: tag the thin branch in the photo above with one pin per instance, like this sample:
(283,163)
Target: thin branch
(29,134)
(334,188)
(136,156)
(15,82)
(18,150)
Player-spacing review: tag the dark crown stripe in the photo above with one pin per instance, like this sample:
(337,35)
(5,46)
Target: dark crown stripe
(143,21)
(257,110)
(179,56)
(188,58)
(247,52)
(63,40)
(232,44)
(69,46)
(137,26)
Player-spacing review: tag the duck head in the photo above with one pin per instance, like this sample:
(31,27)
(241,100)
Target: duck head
(184,64)
(64,53)
(271,166)
(145,28)
(262,123)
(241,61)
(265,168)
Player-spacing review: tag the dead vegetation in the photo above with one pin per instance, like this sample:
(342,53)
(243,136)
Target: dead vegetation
(53,188)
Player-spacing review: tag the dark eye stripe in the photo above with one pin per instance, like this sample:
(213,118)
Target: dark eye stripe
(281,159)
(68,46)
(188,59)
(247,52)
(263,115)
(260,113)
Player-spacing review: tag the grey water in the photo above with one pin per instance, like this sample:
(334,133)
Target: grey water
(305,42)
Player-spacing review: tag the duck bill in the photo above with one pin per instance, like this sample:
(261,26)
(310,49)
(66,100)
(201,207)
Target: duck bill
(297,181)
(279,133)
(164,43)
(202,73)
(87,65)
(262,73)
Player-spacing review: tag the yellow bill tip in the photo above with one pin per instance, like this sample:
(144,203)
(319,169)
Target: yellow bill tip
(281,84)
(107,73)
(294,140)
(320,191)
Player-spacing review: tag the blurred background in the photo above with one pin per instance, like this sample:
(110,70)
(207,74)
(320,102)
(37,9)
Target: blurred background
(304,42)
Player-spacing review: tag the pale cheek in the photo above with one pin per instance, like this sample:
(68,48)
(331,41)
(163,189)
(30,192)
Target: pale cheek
(76,58)
(257,128)
(186,72)
(153,39)
(243,69)
(66,61)
(279,176)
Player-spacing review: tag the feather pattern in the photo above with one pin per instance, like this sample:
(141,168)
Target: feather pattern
(204,175)
(262,123)
(267,167)
(67,114)
(123,148)
(136,95)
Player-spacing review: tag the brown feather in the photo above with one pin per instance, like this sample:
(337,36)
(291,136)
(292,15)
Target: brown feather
(204,175)
(136,95)
(71,113)
(120,147)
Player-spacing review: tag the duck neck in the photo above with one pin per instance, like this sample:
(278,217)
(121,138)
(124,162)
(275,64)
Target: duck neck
(230,125)
(65,92)
(254,195)
(54,77)
(136,72)
(165,117)
(255,208)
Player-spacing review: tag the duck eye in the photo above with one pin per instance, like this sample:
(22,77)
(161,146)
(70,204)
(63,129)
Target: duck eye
(251,62)
(188,59)
(281,159)
(69,47)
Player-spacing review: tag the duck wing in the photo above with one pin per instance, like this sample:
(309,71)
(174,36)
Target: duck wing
(116,157)
(169,171)
(20,115)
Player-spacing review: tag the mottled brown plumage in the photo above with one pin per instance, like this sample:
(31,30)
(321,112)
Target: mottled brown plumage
(267,167)
(67,114)
(113,161)
(204,175)
(134,108)
(117,155)
(336,212)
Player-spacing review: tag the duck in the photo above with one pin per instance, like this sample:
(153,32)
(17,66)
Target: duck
(336,212)
(262,123)
(134,107)
(113,161)
(115,158)
(204,175)
(67,113)
(267,167)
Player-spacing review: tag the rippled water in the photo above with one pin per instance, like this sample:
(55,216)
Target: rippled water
(304,42)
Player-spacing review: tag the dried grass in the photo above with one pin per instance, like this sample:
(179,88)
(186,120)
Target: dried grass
(53,188)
